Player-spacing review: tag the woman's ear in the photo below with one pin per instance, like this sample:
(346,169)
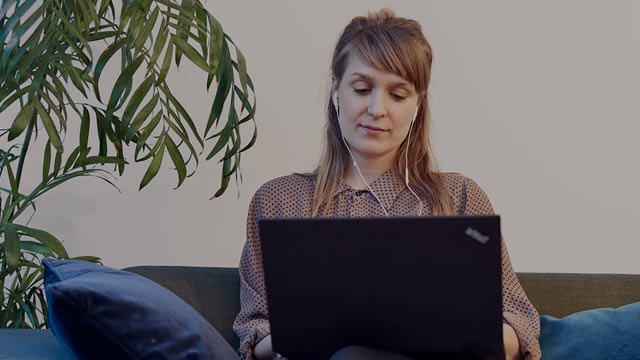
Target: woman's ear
(421,96)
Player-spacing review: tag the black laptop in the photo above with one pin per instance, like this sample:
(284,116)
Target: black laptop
(428,287)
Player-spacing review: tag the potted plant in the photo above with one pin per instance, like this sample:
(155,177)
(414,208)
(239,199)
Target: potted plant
(52,56)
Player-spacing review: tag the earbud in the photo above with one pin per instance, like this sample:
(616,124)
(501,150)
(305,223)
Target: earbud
(335,100)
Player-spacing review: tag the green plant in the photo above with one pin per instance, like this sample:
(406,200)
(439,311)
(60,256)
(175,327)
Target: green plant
(52,56)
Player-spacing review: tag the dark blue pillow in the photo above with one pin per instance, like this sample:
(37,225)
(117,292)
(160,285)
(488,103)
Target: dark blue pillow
(102,313)
(592,334)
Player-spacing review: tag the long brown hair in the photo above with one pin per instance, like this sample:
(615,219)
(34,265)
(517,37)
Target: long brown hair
(397,45)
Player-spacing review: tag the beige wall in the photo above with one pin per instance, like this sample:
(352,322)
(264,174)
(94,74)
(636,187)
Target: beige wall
(533,100)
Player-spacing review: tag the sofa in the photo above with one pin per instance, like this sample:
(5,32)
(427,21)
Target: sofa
(214,293)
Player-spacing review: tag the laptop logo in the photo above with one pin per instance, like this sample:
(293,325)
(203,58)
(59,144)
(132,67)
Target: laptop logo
(476,235)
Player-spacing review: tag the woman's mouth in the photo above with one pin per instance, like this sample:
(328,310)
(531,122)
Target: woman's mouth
(372,130)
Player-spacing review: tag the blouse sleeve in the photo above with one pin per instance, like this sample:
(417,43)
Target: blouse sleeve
(518,311)
(252,322)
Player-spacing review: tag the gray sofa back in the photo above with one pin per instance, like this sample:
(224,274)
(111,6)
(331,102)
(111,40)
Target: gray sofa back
(214,292)
(561,294)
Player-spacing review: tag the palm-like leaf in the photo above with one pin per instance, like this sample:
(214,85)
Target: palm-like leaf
(149,34)
(51,72)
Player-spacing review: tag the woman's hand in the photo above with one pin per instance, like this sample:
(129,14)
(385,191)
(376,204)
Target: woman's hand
(511,343)
(264,351)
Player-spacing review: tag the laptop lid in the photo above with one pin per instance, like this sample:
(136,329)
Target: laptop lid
(423,285)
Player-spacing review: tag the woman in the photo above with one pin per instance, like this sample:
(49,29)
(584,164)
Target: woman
(377,161)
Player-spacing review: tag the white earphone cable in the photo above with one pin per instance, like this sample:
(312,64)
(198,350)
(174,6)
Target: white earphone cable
(355,163)
(406,164)
(406,161)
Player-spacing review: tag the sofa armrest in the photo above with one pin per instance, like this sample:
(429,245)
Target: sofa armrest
(32,345)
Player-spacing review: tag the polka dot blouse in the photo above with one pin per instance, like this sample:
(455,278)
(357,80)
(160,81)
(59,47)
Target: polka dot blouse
(292,196)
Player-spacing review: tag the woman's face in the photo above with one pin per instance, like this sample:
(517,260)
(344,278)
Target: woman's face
(375,110)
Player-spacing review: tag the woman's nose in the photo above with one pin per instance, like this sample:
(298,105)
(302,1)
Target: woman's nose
(377,104)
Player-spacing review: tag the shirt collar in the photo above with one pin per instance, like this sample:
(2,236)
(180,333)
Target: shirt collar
(387,186)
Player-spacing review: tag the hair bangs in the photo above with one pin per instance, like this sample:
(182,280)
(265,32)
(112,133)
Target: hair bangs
(390,52)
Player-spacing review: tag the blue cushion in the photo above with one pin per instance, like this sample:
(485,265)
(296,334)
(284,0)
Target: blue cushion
(592,334)
(98,312)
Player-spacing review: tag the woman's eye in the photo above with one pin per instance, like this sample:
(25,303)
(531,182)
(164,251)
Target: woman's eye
(364,91)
